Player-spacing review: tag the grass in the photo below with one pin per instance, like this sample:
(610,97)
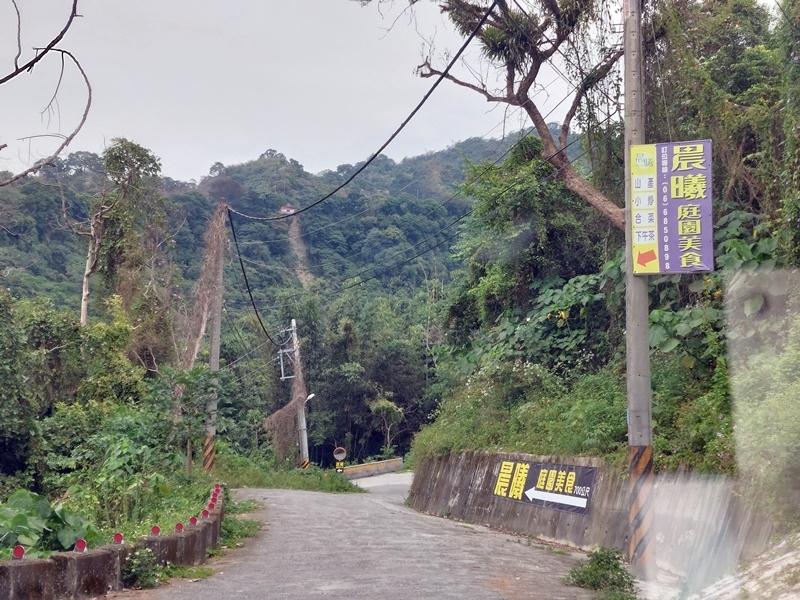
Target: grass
(238,471)
(234,529)
(242,508)
(186,572)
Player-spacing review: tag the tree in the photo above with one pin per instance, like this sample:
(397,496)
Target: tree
(390,416)
(517,41)
(21,65)
(121,216)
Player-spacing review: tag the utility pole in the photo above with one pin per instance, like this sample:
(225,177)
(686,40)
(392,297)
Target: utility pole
(301,420)
(209,449)
(300,398)
(640,433)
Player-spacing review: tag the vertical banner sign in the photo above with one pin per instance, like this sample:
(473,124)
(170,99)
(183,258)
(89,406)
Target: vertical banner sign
(671,208)
(567,488)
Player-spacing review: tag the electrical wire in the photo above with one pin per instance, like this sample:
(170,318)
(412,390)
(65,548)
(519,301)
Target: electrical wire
(391,137)
(247,283)
(515,182)
(455,195)
(243,356)
(569,61)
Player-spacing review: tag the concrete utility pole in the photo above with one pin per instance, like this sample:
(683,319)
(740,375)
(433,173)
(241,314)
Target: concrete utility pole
(209,449)
(640,433)
(299,387)
(301,420)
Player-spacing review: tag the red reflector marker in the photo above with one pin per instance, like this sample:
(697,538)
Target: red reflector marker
(18,552)
(156,530)
(193,521)
(80,546)
(178,527)
(117,538)
(205,513)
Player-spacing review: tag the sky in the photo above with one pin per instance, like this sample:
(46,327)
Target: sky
(197,82)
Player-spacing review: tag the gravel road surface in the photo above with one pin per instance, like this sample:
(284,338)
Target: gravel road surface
(370,545)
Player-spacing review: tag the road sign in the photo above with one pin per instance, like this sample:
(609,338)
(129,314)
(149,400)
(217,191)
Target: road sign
(339,453)
(671,224)
(305,464)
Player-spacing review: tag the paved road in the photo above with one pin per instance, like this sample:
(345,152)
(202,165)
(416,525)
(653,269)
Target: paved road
(370,545)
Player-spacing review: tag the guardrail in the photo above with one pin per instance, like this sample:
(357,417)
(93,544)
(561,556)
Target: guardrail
(373,468)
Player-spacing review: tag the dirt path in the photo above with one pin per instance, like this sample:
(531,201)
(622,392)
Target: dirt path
(370,545)
(300,252)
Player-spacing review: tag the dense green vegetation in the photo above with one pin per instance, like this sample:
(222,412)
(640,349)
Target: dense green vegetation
(462,299)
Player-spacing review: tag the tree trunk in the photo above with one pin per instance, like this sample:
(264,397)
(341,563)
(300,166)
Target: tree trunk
(91,264)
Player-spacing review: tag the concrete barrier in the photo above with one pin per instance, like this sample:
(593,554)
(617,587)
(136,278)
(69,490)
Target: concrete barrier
(702,526)
(188,547)
(93,573)
(373,468)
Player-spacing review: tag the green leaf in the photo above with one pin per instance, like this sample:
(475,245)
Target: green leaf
(696,285)
(753,304)
(669,345)
(657,336)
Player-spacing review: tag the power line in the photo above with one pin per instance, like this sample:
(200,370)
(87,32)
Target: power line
(247,283)
(245,355)
(391,137)
(515,182)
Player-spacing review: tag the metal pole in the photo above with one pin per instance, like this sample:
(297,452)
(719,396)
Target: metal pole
(640,434)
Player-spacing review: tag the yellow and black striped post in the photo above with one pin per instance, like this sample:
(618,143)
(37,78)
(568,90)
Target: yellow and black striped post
(208,453)
(640,549)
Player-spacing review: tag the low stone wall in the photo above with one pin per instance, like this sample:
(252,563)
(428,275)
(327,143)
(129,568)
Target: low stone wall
(373,468)
(95,572)
(701,526)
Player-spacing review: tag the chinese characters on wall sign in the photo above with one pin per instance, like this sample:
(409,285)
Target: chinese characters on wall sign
(671,208)
(560,487)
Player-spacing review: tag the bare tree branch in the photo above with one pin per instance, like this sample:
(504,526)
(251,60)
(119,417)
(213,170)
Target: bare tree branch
(426,70)
(599,72)
(68,138)
(19,35)
(41,53)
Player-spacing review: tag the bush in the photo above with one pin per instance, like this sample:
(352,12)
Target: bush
(28,519)
(141,570)
(604,571)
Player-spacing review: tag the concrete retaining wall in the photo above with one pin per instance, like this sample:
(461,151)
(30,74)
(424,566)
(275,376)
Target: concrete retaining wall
(93,573)
(701,526)
(373,468)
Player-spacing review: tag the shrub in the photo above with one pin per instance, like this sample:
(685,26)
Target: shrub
(29,519)
(604,571)
(141,570)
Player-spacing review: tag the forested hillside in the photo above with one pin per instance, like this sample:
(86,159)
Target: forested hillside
(471,298)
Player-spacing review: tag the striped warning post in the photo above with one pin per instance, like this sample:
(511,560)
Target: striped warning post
(641,551)
(208,453)
(305,464)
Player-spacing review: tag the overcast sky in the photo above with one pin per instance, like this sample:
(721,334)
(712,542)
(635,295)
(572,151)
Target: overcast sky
(199,81)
